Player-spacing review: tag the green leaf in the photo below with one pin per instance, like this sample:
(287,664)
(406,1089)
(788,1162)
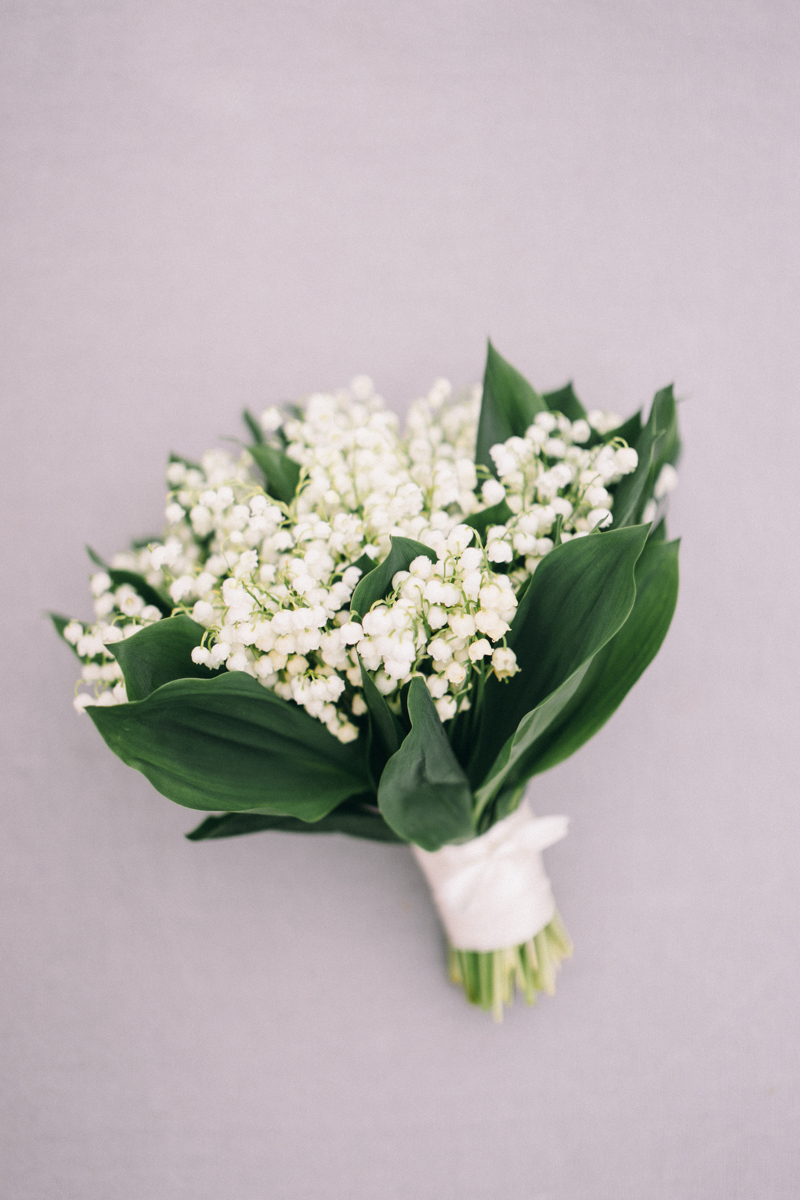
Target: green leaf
(364,563)
(509,768)
(630,431)
(349,818)
(281,473)
(658,533)
(96,559)
(386,728)
(60,623)
(498,514)
(378,582)
(616,668)
(187,462)
(565,401)
(252,424)
(229,743)
(508,407)
(658,443)
(579,596)
(142,588)
(424,795)
(158,654)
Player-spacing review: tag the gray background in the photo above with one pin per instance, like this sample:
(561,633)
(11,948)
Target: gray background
(212,204)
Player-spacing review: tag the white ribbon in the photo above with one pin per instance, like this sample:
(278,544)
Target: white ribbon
(492,892)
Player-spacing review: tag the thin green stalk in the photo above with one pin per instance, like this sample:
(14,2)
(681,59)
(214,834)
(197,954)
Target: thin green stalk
(491,978)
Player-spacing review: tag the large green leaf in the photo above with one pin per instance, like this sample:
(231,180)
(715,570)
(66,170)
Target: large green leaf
(229,743)
(353,819)
(509,767)
(580,595)
(158,654)
(657,444)
(615,669)
(281,473)
(508,407)
(565,401)
(423,794)
(378,582)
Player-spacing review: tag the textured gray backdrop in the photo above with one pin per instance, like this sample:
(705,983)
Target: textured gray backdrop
(212,203)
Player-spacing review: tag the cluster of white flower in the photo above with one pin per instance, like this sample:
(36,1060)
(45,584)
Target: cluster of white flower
(271,583)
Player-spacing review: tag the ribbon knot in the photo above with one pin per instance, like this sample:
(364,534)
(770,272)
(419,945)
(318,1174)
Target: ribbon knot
(492,892)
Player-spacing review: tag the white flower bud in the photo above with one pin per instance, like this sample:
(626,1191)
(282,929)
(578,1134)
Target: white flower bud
(462,625)
(384,684)
(493,492)
(377,622)
(203,613)
(437,686)
(362,387)
(104,604)
(504,662)
(667,481)
(219,652)
(182,587)
(202,520)
(237,661)
(603,421)
(455,673)
(440,650)
(491,623)
(437,617)
(459,539)
(201,655)
(626,460)
(545,421)
(479,649)
(271,419)
(446,708)
(176,473)
(100,583)
(581,431)
(422,567)
(499,552)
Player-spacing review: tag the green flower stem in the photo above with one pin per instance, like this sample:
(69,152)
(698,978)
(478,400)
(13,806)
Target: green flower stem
(490,978)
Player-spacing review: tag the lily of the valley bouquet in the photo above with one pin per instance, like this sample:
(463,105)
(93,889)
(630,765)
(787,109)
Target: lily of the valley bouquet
(349,628)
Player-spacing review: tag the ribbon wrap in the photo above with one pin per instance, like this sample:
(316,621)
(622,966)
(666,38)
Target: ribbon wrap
(492,892)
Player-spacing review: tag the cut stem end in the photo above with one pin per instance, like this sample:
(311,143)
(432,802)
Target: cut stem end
(491,978)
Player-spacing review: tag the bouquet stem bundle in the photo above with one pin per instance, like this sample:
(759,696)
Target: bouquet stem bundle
(349,629)
(490,977)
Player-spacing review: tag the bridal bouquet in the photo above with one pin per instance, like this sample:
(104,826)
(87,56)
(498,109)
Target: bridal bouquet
(349,628)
